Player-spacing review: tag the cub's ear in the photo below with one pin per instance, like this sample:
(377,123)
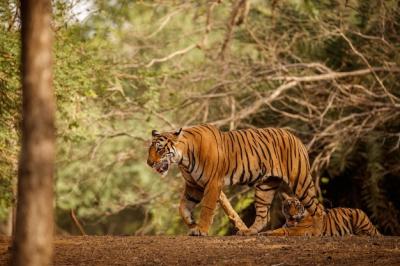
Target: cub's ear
(285,196)
(155,133)
(176,133)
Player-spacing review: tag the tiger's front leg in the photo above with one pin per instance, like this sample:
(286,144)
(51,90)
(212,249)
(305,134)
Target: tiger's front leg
(209,203)
(288,231)
(277,232)
(190,198)
(302,229)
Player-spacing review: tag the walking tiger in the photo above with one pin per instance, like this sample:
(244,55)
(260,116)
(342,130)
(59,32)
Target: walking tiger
(336,221)
(209,159)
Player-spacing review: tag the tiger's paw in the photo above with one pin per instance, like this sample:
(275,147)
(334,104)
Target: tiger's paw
(197,232)
(248,232)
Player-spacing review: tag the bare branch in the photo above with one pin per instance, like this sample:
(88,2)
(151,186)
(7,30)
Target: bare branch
(336,75)
(77,223)
(257,104)
(391,96)
(231,213)
(164,22)
(239,7)
(172,55)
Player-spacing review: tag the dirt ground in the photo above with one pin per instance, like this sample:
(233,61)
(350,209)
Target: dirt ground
(234,250)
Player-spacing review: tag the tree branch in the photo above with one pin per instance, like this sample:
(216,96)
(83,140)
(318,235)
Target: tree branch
(172,55)
(231,213)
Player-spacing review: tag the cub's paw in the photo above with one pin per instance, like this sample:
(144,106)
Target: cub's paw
(197,232)
(266,233)
(248,232)
(276,232)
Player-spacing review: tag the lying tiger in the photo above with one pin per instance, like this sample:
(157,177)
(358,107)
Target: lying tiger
(336,221)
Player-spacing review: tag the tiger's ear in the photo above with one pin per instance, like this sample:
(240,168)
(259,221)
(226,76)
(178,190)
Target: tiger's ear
(155,133)
(285,195)
(178,132)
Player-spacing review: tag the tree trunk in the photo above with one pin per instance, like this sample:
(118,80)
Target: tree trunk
(34,226)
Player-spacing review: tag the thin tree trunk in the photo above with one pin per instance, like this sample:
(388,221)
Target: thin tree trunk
(34,226)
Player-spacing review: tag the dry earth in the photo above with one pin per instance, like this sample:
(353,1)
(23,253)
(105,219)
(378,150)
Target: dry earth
(183,250)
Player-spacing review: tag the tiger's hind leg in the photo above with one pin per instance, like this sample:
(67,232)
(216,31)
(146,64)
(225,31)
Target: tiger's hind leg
(264,194)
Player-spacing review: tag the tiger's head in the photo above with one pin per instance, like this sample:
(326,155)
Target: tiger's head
(293,211)
(163,151)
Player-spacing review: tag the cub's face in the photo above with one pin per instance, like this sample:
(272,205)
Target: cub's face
(162,151)
(293,211)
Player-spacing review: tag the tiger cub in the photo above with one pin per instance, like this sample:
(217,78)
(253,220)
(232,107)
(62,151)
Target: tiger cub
(336,221)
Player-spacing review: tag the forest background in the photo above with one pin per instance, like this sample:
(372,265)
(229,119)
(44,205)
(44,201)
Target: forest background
(327,70)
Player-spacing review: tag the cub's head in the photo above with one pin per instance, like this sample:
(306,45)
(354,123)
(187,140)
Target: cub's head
(293,211)
(163,151)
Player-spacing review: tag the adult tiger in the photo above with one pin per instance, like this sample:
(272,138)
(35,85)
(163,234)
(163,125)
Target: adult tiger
(209,159)
(336,221)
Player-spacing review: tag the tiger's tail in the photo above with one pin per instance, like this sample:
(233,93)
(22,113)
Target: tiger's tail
(362,225)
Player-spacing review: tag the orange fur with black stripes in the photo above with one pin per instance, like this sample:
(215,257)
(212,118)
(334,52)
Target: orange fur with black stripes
(209,159)
(335,222)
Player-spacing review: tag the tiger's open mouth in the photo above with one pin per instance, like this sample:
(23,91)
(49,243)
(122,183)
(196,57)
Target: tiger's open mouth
(162,167)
